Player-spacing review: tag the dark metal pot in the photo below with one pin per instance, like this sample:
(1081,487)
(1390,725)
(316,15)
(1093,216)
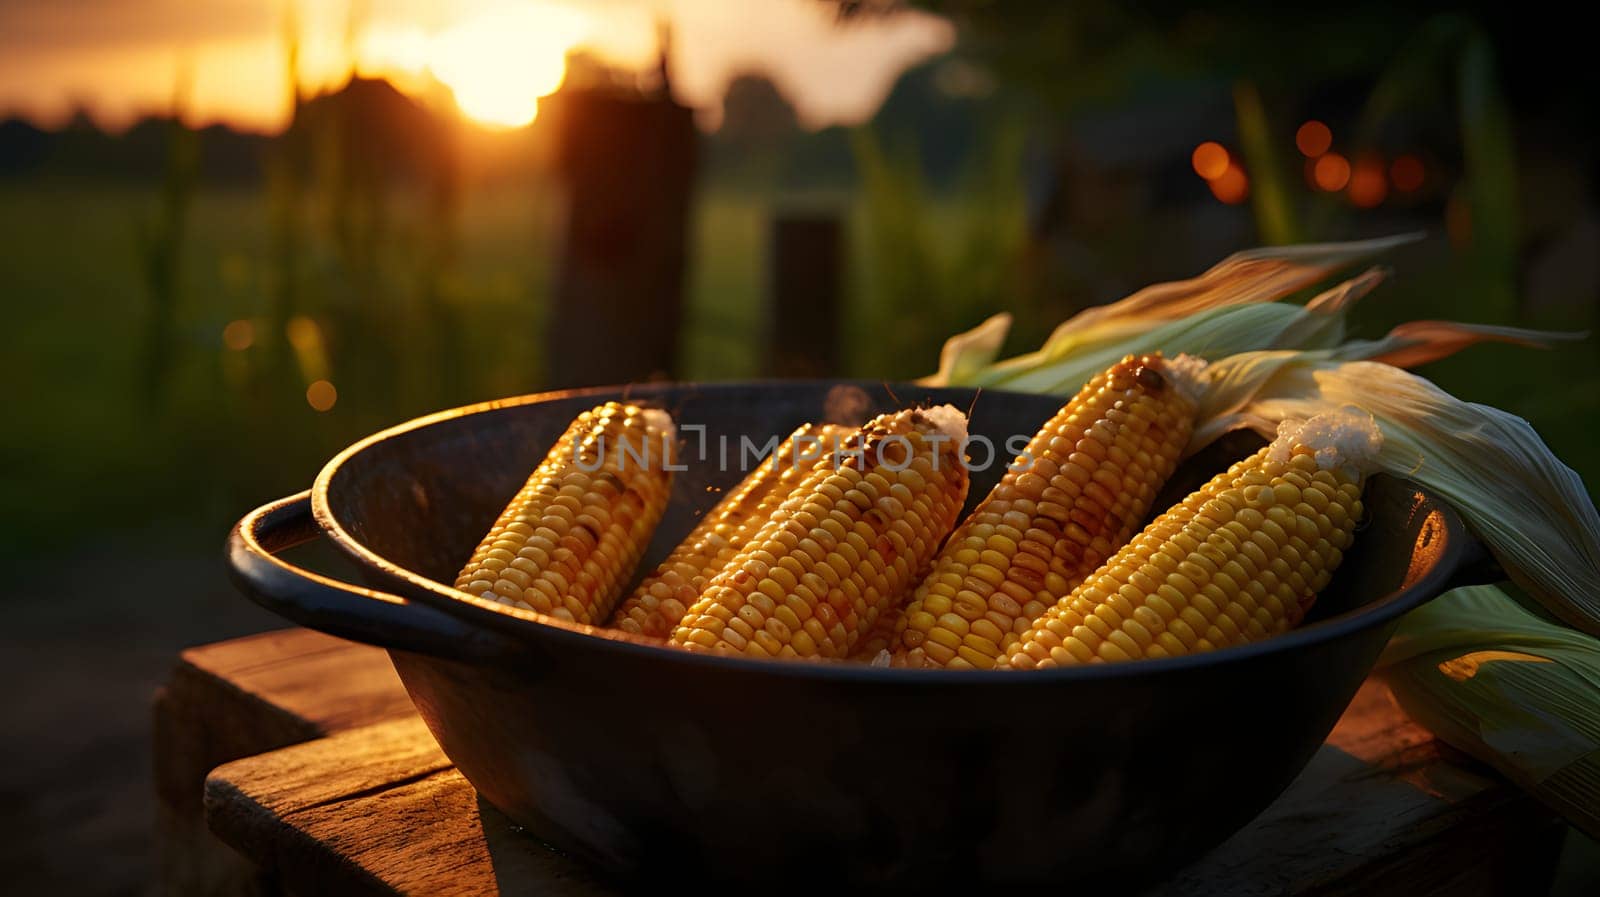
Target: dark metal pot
(662,765)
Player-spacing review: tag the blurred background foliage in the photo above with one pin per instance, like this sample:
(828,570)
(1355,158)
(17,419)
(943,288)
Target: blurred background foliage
(201,316)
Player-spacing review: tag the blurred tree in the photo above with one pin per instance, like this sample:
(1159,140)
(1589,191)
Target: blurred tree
(1102,48)
(1469,64)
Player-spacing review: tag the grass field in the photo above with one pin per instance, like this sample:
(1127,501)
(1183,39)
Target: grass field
(229,428)
(88,442)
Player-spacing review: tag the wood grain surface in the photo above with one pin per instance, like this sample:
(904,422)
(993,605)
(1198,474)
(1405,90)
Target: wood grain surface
(240,698)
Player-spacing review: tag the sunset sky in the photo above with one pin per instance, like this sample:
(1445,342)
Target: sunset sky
(123,58)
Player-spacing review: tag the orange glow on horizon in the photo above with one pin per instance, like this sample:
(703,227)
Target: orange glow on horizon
(1331,173)
(209,64)
(1210,160)
(1313,139)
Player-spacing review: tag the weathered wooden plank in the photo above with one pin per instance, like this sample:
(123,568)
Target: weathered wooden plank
(1380,809)
(244,697)
(254,694)
(379,810)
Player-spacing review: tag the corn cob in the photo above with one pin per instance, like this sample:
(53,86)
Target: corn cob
(1239,560)
(656,607)
(1091,474)
(843,548)
(874,646)
(569,540)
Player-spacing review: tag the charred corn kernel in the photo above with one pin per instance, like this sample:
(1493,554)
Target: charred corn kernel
(845,547)
(569,540)
(659,603)
(1085,481)
(1238,560)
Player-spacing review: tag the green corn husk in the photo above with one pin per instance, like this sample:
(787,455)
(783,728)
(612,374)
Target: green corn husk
(1230,308)
(1213,333)
(1419,342)
(1509,688)
(1475,668)
(1530,510)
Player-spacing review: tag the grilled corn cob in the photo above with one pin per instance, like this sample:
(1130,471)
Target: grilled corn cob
(569,540)
(657,606)
(1239,560)
(1084,483)
(843,548)
(874,646)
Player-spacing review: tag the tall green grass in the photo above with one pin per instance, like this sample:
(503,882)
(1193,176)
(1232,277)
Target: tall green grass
(934,263)
(160,240)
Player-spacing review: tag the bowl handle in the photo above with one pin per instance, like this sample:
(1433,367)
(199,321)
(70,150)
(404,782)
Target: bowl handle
(338,608)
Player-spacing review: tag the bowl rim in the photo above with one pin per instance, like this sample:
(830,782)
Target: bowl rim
(1459,551)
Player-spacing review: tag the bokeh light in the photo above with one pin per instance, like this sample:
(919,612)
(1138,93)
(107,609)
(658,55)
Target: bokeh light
(1313,139)
(239,335)
(1368,183)
(310,353)
(1210,160)
(1232,186)
(303,333)
(1331,173)
(1408,174)
(321,395)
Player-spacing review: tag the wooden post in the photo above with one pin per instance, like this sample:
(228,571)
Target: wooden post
(807,272)
(627,162)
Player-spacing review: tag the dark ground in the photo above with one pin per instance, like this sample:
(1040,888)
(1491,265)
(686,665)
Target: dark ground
(84,652)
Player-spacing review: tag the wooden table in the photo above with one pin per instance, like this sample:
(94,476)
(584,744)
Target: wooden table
(365,803)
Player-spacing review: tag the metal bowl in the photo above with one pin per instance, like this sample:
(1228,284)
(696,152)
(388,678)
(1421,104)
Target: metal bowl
(660,765)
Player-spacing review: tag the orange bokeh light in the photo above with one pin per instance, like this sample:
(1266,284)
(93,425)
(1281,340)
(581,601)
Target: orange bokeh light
(1314,138)
(1331,172)
(239,335)
(321,395)
(1232,186)
(1407,173)
(1210,160)
(1368,185)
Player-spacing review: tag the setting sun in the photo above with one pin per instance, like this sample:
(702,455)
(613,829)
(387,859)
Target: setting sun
(499,64)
